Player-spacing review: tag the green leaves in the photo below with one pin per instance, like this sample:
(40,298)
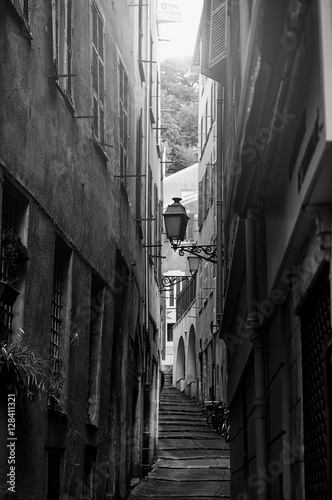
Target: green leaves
(179,103)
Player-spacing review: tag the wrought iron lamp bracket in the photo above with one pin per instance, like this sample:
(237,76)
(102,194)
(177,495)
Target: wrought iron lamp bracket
(206,252)
(169,281)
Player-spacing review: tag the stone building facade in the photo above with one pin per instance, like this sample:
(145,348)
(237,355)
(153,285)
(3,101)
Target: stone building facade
(80,187)
(272,64)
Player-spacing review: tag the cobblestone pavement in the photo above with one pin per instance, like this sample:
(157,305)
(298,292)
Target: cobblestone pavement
(193,461)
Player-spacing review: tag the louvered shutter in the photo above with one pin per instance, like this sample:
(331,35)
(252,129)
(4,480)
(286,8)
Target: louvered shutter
(55,34)
(98,74)
(200,204)
(123,117)
(214,39)
(69,61)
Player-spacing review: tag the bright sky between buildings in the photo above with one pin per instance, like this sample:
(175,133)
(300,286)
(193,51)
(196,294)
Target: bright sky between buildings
(182,35)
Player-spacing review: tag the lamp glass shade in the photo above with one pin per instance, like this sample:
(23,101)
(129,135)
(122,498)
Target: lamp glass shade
(176,220)
(193,264)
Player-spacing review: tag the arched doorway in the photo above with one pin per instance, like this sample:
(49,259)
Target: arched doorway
(191,363)
(180,366)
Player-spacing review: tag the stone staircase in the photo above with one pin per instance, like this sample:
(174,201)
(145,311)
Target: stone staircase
(193,461)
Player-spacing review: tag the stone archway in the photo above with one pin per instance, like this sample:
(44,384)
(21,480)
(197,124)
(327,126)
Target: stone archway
(191,363)
(180,366)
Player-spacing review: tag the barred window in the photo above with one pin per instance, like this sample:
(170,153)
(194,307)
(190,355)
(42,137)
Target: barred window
(98,73)
(60,301)
(56,314)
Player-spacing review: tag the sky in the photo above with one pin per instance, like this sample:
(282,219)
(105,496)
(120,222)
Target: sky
(182,35)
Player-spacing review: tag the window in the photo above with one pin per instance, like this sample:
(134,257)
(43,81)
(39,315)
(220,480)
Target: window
(89,473)
(62,26)
(139,147)
(56,313)
(171,296)
(200,204)
(150,213)
(140,39)
(14,224)
(95,348)
(170,332)
(207,120)
(98,74)
(202,135)
(54,473)
(190,226)
(123,118)
(214,38)
(156,240)
(59,340)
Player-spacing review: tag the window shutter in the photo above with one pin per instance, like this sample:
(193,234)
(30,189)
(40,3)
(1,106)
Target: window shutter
(123,117)
(200,204)
(214,39)
(69,62)
(218,39)
(98,74)
(55,35)
(190,226)
(139,166)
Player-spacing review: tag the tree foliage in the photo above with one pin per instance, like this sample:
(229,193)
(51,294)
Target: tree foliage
(179,103)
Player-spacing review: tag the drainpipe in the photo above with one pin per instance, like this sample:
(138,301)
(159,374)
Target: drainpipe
(260,401)
(219,291)
(146,393)
(147,162)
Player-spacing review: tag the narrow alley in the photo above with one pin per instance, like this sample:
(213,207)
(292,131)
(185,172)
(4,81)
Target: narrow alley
(193,461)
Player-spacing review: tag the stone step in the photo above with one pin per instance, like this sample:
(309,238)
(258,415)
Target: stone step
(178,409)
(153,488)
(164,426)
(171,418)
(174,402)
(176,414)
(188,434)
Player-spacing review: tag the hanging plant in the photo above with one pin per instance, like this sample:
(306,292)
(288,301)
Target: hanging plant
(22,370)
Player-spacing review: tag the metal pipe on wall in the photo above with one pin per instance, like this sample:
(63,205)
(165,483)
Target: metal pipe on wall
(219,284)
(259,400)
(147,163)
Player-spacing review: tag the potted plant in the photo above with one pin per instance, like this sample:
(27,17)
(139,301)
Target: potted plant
(14,253)
(21,369)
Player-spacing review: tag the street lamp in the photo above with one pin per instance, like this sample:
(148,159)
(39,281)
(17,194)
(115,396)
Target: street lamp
(176,220)
(193,263)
